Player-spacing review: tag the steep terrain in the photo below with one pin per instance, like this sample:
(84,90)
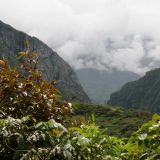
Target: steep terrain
(100,84)
(52,66)
(143,93)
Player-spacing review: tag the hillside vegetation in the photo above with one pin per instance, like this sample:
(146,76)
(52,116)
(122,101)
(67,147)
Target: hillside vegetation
(116,121)
(143,93)
(34,123)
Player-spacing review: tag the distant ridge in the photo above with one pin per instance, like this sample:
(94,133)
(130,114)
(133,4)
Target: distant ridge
(100,84)
(143,93)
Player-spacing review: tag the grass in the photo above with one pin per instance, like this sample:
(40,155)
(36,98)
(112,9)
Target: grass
(116,121)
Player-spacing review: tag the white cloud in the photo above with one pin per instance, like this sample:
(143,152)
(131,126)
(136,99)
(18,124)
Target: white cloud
(100,34)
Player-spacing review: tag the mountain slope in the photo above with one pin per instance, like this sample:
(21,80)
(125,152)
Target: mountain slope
(143,93)
(100,84)
(53,67)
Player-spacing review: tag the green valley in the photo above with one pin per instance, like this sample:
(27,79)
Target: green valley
(117,121)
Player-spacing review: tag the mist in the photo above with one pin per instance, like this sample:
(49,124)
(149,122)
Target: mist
(100,34)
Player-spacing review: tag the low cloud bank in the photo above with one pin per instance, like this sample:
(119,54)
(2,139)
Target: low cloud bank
(101,34)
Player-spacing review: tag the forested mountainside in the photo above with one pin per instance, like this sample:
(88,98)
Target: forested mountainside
(52,65)
(143,93)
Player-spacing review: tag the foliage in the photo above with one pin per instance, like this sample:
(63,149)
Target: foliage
(51,140)
(26,100)
(92,143)
(145,143)
(25,139)
(24,92)
(117,121)
(32,123)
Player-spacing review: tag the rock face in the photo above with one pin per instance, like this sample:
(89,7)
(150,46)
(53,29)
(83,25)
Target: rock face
(52,66)
(143,93)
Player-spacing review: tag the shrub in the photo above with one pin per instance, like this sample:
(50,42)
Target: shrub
(27,102)
(32,123)
(145,143)
(24,92)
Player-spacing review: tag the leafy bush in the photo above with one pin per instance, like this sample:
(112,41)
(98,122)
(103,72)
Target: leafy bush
(25,139)
(24,92)
(32,123)
(145,143)
(26,100)
(92,144)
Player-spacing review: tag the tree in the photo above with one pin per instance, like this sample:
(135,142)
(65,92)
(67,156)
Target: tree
(24,92)
(26,100)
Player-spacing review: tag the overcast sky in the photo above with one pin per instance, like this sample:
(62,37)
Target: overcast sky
(102,34)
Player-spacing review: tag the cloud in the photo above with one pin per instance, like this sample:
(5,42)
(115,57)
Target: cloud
(101,34)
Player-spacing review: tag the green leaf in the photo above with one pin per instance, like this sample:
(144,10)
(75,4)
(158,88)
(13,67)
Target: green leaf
(42,126)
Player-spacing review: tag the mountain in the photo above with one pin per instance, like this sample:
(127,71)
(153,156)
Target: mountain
(100,84)
(53,66)
(143,93)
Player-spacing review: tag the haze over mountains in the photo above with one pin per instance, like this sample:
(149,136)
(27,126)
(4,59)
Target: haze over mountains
(99,34)
(100,84)
(52,66)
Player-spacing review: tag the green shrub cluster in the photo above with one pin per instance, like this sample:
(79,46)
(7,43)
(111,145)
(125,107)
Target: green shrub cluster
(119,121)
(33,123)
